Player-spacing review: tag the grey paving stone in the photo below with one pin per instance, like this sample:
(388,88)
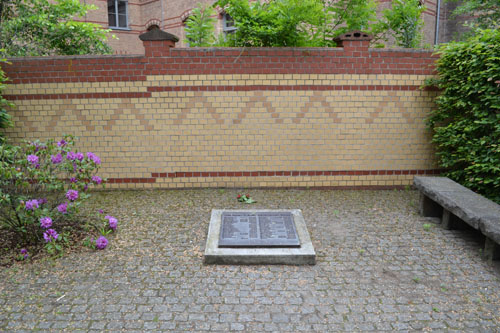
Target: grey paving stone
(370,246)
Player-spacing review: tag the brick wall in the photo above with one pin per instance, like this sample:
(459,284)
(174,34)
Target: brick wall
(342,117)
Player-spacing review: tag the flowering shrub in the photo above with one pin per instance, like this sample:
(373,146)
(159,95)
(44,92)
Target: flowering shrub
(107,224)
(245,198)
(42,185)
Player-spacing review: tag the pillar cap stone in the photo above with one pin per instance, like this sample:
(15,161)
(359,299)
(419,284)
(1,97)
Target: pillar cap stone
(158,35)
(355,35)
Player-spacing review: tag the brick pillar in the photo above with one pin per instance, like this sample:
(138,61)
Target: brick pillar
(354,41)
(157,42)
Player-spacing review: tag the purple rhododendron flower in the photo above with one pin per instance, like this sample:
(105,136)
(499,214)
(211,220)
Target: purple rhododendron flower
(113,222)
(101,243)
(38,147)
(63,208)
(42,201)
(71,156)
(46,222)
(24,252)
(101,211)
(56,159)
(72,195)
(85,187)
(94,158)
(33,159)
(79,156)
(31,204)
(50,235)
(96,179)
(72,180)
(61,143)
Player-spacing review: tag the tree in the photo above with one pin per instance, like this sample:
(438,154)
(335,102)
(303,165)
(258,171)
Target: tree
(466,122)
(298,22)
(342,16)
(485,14)
(200,26)
(404,22)
(42,27)
(274,23)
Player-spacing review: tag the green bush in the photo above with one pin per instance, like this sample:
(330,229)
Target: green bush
(466,122)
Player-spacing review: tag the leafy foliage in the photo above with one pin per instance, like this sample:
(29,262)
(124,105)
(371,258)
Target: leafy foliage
(5,119)
(342,16)
(404,22)
(319,22)
(467,120)
(274,23)
(43,27)
(200,26)
(485,13)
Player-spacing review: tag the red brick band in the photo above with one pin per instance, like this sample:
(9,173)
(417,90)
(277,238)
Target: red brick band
(214,174)
(287,87)
(293,173)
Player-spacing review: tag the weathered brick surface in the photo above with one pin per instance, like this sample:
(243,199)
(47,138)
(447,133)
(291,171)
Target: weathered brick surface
(338,117)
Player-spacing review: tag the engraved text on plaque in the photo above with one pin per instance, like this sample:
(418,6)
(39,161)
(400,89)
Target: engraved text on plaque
(260,229)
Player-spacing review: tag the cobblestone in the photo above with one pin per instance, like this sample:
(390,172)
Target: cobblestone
(378,269)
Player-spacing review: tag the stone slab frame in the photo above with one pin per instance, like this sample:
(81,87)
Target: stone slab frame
(304,255)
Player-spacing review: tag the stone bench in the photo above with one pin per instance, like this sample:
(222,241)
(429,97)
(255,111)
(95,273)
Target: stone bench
(456,204)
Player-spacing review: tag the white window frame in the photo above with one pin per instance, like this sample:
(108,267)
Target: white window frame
(117,19)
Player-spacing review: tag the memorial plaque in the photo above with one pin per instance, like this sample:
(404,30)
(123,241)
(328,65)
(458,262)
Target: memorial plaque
(260,229)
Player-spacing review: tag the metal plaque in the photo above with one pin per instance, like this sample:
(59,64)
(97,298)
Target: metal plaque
(242,229)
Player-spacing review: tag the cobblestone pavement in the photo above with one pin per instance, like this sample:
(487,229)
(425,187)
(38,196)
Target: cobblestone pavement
(378,269)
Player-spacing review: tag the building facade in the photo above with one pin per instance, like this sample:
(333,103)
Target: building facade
(129,18)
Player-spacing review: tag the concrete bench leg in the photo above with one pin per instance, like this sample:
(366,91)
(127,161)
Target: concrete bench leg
(491,250)
(428,207)
(450,221)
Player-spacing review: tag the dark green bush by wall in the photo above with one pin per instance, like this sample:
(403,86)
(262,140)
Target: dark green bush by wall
(466,122)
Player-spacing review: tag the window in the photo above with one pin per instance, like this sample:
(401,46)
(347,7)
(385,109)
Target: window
(118,14)
(228,24)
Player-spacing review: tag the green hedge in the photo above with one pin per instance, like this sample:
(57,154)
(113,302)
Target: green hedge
(466,122)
